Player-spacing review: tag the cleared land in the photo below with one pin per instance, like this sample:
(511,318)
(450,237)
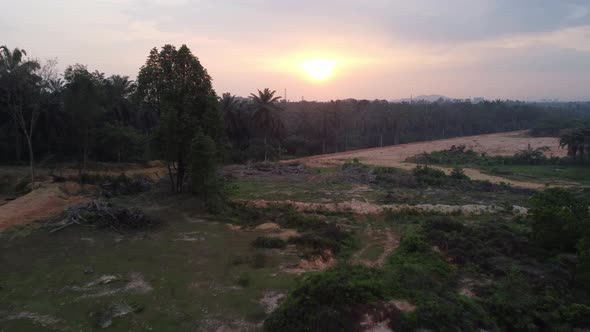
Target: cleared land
(499,144)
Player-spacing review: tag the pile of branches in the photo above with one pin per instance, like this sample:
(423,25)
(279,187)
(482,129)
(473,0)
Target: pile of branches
(277,168)
(101,214)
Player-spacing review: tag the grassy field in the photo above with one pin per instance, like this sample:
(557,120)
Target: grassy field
(550,174)
(193,274)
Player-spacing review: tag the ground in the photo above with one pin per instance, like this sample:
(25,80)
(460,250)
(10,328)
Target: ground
(198,272)
(500,144)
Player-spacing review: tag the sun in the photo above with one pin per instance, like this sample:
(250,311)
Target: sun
(318,69)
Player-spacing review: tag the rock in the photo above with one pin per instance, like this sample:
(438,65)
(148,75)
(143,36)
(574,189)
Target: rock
(89,270)
(105,318)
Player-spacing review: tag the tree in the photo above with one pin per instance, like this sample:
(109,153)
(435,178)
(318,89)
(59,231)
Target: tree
(577,142)
(20,86)
(175,85)
(82,101)
(230,108)
(266,116)
(203,167)
(118,92)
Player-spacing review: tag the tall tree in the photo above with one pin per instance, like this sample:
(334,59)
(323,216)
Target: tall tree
(82,101)
(20,87)
(175,85)
(266,116)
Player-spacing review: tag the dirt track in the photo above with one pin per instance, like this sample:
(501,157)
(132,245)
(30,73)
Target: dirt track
(500,144)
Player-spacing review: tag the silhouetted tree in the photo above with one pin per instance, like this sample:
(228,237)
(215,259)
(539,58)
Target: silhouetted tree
(266,116)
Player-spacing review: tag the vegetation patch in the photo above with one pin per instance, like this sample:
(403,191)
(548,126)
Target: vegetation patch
(269,242)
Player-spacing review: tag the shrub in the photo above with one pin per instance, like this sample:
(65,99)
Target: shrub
(559,219)
(268,242)
(326,301)
(243,280)
(458,174)
(325,237)
(429,176)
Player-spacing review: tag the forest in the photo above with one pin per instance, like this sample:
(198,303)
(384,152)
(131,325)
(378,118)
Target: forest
(83,114)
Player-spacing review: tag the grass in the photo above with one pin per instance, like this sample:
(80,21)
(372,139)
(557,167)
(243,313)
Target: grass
(193,264)
(544,173)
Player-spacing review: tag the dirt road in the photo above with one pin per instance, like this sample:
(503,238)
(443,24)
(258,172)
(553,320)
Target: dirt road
(499,144)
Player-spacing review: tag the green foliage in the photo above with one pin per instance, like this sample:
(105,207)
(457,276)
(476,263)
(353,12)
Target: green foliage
(243,280)
(269,242)
(174,83)
(458,174)
(446,313)
(119,143)
(559,219)
(530,156)
(203,171)
(324,240)
(325,301)
(429,176)
(416,272)
(460,155)
(526,288)
(577,142)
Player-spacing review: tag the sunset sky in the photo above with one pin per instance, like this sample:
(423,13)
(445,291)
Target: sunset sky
(327,49)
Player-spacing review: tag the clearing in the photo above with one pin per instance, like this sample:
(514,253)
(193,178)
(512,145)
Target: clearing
(499,144)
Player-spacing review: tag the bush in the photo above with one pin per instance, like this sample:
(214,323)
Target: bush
(429,176)
(326,301)
(559,219)
(325,238)
(268,242)
(458,174)
(120,144)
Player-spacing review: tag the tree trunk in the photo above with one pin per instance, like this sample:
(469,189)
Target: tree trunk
(265,148)
(173,187)
(31,159)
(17,143)
(181,169)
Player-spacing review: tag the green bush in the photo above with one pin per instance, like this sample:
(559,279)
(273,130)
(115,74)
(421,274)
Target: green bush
(429,176)
(459,174)
(326,301)
(325,237)
(268,242)
(559,219)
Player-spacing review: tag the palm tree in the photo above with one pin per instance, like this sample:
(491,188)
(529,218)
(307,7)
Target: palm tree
(56,86)
(230,106)
(21,86)
(577,142)
(266,115)
(119,89)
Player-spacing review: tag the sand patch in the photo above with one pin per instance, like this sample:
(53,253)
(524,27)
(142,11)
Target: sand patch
(499,144)
(45,202)
(366,208)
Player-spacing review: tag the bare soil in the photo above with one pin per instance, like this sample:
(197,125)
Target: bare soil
(499,144)
(47,201)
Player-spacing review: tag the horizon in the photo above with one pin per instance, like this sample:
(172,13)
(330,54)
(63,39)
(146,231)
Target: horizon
(529,51)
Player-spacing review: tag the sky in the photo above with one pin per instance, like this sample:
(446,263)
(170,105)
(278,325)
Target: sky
(327,49)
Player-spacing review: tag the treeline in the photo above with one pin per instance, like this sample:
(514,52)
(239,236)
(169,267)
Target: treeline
(82,115)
